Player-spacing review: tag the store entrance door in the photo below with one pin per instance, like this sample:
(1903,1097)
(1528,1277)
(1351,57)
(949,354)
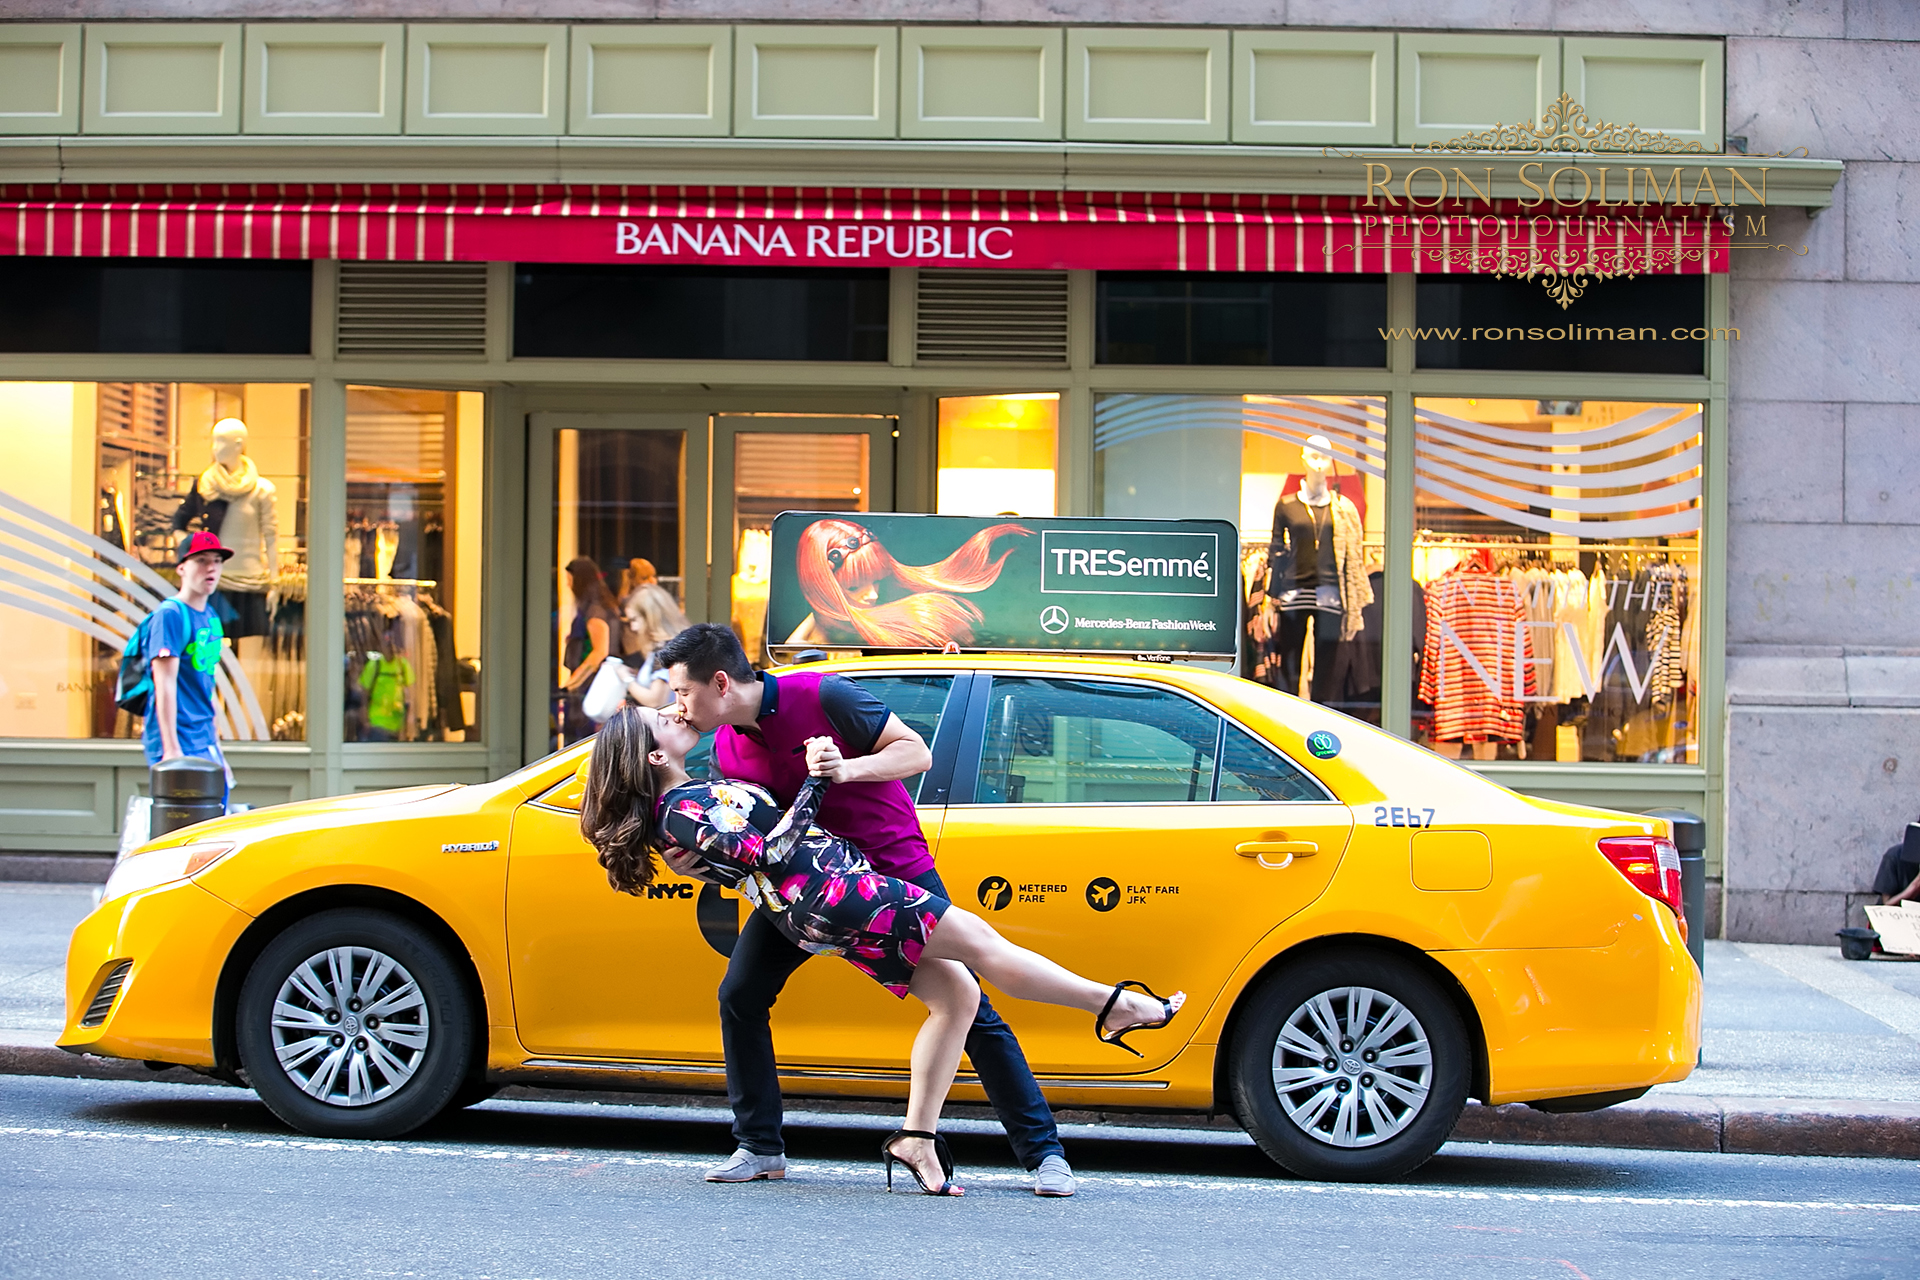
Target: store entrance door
(766,463)
(686,499)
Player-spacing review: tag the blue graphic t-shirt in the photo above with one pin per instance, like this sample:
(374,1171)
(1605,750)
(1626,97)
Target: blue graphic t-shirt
(193,636)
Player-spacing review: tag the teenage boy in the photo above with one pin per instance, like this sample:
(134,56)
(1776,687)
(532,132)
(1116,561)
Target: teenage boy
(760,726)
(183,651)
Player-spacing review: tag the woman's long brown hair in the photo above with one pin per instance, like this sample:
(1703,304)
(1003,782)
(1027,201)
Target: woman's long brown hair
(589,587)
(616,813)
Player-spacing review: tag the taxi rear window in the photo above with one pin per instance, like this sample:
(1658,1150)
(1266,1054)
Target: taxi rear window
(1251,770)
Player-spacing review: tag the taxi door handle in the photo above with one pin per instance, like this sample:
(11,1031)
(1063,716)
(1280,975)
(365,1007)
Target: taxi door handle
(1259,850)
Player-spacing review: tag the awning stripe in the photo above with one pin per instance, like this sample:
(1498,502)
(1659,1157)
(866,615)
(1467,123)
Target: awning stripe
(828,226)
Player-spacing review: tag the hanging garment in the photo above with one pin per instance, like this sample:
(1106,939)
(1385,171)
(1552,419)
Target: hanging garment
(1572,593)
(1473,618)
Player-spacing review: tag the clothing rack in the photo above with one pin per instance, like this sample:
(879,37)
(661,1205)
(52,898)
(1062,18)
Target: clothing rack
(1525,545)
(390,582)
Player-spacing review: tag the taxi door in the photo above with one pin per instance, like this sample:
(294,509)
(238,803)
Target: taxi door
(603,974)
(831,1014)
(1098,831)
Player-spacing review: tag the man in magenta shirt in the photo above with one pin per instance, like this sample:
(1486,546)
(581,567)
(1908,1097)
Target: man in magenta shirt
(761,726)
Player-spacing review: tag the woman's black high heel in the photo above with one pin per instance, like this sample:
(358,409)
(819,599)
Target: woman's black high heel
(888,1156)
(1120,1037)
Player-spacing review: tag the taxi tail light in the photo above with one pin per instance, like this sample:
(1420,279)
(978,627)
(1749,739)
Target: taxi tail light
(1652,865)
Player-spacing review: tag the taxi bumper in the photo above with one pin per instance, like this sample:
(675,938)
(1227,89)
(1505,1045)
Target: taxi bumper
(177,937)
(1563,1022)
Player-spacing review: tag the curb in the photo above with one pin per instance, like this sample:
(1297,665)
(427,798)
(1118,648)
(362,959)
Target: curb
(1742,1126)
(1674,1122)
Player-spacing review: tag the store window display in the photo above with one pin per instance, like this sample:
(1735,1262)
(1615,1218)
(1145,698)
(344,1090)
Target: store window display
(1304,478)
(1558,552)
(411,567)
(100,482)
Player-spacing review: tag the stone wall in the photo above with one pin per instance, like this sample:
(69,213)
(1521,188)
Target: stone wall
(1823,606)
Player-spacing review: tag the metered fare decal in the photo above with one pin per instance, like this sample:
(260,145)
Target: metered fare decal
(886,581)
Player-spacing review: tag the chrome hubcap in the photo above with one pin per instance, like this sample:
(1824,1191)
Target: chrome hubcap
(350,1026)
(1352,1067)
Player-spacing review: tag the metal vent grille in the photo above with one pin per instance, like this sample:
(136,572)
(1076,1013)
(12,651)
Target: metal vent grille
(991,317)
(109,992)
(412,309)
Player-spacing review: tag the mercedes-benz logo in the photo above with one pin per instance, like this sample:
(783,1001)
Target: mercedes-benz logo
(1054,619)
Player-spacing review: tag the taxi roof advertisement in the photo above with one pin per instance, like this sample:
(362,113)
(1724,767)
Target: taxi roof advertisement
(1087,585)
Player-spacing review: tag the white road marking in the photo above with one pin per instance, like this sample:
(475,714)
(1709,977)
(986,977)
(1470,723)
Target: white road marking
(864,1173)
(1848,981)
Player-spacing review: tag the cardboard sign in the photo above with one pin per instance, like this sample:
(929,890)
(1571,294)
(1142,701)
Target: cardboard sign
(919,582)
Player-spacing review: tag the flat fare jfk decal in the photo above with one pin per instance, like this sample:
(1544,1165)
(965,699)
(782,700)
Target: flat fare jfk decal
(815,240)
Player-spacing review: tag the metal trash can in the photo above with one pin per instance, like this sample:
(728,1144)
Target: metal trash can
(1690,838)
(186,790)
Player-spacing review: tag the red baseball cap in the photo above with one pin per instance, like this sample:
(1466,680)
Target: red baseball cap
(199,544)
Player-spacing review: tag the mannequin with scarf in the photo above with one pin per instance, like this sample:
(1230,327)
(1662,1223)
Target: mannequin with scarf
(1316,571)
(232,499)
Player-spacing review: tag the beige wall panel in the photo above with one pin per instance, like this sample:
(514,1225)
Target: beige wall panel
(332,77)
(1313,87)
(175,77)
(816,82)
(1450,85)
(68,798)
(486,79)
(1147,86)
(39,78)
(652,81)
(1673,86)
(965,82)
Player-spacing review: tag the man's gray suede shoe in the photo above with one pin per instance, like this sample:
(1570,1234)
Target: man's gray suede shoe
(1054,1177)
(744,1166)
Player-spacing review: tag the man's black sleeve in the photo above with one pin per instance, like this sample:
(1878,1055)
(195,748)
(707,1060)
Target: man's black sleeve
(855,714)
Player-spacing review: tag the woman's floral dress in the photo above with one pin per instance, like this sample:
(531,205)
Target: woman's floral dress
(819,891)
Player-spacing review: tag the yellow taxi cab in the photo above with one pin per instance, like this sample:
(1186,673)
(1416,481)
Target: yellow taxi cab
(1369,934)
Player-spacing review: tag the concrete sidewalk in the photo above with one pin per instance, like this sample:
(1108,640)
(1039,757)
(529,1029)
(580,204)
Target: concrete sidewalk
(1806,1054)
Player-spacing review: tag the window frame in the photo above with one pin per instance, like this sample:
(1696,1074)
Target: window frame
(971,753)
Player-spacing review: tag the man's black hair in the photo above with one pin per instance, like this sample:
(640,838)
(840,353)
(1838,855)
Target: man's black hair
(704,648)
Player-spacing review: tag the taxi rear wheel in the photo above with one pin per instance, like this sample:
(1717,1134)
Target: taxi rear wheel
(354,1024)
(1350,1066)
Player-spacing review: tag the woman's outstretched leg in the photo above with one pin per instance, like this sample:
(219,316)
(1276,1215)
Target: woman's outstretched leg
(952,997)
(1028,975)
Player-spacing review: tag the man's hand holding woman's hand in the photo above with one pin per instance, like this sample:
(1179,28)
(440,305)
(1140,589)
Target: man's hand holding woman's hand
(824,759)
(686,863)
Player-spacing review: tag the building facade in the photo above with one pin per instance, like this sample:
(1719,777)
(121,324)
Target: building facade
(421,310)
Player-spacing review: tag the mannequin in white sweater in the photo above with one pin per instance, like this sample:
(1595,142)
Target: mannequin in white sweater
(251,528)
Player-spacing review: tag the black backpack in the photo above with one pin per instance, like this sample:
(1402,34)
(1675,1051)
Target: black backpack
(133,688)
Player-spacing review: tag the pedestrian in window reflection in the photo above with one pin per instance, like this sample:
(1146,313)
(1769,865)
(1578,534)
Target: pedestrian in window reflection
(653,617)
(596,627)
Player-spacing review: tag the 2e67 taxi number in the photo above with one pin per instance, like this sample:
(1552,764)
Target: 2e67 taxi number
(1401,816)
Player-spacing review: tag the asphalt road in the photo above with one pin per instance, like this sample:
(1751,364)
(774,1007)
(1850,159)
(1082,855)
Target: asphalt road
(160,1180)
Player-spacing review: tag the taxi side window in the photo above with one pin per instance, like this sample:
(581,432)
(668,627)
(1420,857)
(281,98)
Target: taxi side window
(1054,741)
(918,700)
(1252,770)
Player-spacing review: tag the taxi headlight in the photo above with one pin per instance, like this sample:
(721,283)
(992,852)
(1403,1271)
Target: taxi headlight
(152,868)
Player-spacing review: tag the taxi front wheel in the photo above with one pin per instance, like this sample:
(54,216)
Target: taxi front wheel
(354,1024)
(1350,1066)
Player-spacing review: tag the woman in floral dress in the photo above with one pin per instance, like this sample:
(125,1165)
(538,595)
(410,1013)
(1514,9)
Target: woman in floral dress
(825,897)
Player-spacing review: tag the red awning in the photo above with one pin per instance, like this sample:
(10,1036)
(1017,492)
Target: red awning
(824,227)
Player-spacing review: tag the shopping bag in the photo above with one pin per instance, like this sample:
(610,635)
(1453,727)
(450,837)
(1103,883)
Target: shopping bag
(607,690)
